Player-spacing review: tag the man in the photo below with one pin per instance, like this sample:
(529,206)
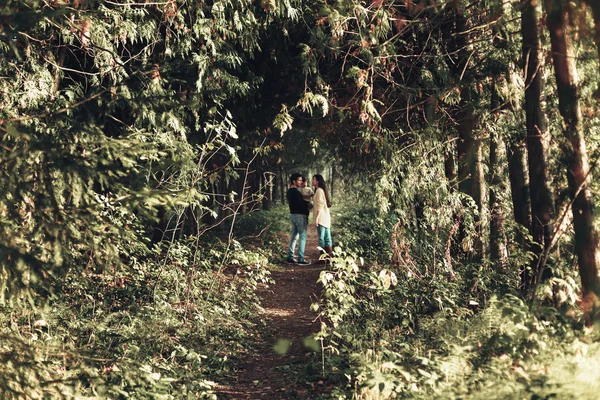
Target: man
(299,218)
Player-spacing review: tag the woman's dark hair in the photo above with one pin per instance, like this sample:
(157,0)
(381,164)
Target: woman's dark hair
(322,185)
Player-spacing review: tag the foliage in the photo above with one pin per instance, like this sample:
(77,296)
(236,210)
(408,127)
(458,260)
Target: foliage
(128,106)
(263,228)
(165,330)
(393,336)
(405,330)
(365,231)
(113,113)
(123,119)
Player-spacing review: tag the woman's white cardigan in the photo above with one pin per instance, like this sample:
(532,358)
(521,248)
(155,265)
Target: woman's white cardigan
(320,209)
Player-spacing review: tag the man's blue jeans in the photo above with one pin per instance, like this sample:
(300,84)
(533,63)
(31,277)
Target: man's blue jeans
(324,236)
(299,225)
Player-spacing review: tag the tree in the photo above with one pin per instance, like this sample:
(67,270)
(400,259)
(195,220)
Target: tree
(536,140)
(471,180)
(587,246)
(116,113)
(496,185)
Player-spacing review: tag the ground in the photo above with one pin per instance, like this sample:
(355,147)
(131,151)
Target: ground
(265,374)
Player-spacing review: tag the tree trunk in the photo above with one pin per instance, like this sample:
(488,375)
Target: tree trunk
(332,183)
(518,175)
(470,166)
(497,246)
(595,6)
(242,189)
(267,190)
(578,174)
(222,199)
(159,229)
(536,140)
(519,183)
(450,165)
(282,180)
(466,148)
(469,150)
(273,187)
(189,221)
(210,203)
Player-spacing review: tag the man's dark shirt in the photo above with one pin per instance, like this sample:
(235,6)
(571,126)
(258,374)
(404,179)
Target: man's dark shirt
(296,202)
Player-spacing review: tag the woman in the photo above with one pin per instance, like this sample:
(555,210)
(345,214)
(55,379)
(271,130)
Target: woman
(322,218)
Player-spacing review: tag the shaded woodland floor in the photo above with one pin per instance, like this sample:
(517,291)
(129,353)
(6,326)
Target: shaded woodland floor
(265,374)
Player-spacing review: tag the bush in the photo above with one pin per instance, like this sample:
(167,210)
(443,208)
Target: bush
(166,330)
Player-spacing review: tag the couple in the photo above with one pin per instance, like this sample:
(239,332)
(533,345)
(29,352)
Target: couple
(299,216)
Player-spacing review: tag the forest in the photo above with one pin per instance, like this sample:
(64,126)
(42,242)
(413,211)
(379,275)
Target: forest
(147,148)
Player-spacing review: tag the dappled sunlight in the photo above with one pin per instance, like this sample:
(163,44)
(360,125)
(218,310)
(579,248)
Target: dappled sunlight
(279,312)
(156,157)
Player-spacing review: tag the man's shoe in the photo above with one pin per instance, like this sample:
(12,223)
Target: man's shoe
(291,260)
(303,262)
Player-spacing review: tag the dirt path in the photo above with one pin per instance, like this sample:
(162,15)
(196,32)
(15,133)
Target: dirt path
(265,374)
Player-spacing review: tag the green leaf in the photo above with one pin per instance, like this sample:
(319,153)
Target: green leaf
(311,343)
(282,346)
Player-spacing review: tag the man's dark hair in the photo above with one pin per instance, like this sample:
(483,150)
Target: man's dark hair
(294,177)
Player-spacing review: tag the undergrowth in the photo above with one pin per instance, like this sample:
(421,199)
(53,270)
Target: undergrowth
(398,326)
(388,333)
(166,329)
(400,319)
